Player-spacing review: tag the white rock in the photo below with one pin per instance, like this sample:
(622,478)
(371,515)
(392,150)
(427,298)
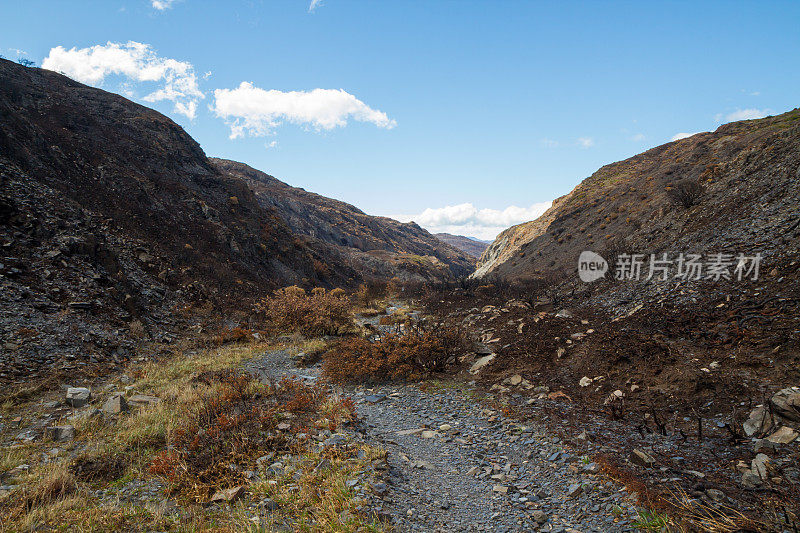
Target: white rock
(481,362)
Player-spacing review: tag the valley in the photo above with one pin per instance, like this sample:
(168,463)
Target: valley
(188,343)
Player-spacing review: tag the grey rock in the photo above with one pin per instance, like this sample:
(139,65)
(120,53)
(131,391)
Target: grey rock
(640,458)
(786,403)
(78,396)
(115,405)
(61,433)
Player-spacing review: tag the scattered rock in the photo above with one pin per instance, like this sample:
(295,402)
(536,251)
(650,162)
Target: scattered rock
(78,396)
(757,423)
(574,490)
(478,365)
(143,400)
(375,398)
(640,458)
(227,495)
(502,489)
(751,480)
(539,516)
(784,435)
(61,433)
(760,466)
(786,403)
(269,504)
(585,381)
(115,405)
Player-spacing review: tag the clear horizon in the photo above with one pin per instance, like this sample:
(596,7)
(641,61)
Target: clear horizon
(466,117)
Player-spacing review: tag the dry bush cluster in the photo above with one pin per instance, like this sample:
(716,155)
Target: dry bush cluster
(243,421)
(293,310)
(686,192)
(236,334)
(412,354)
(369,293)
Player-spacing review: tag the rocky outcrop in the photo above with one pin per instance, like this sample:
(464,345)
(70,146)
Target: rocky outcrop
(747,184)
(377,247)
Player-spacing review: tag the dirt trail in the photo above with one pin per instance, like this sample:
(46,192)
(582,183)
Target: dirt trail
(455,465)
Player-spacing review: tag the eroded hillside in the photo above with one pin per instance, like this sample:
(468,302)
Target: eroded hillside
(747,175)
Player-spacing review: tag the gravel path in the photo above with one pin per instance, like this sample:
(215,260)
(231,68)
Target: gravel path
(456,465)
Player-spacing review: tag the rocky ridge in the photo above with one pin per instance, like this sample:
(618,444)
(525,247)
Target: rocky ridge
(746,177)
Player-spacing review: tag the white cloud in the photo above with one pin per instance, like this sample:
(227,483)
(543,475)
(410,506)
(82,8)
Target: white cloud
(639,137)
(161,5)
(744,114)
(271,144)
(682,135)
(250,110)
(314,5)
(137,62)
(585,142)
(466,219)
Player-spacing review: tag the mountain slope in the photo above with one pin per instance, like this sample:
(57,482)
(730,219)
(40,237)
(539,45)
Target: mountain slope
(112,219)
(472,247)
(376,246)
(749,172)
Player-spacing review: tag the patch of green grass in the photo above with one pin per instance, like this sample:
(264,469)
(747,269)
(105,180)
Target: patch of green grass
(651,521)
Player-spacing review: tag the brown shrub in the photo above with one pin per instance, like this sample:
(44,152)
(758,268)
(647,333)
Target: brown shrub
(293,310)
(239,424)
(411,355)
(236,334)
(686,193)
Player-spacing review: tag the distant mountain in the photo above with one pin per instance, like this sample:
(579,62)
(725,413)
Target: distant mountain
(472,247)
(376,247)
(741,186)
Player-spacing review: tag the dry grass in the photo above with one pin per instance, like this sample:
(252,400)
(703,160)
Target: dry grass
(60,496)
(317,498)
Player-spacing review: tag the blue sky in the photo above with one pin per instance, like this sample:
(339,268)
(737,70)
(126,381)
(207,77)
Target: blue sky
(478,112)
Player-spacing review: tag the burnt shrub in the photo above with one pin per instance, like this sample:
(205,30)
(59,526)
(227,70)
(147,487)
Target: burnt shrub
(241,421)
(686,193)
(293,310)
(412,354)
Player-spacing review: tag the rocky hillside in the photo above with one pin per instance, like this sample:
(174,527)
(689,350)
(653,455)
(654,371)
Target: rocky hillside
(732,190)
(468,245)
(375,246)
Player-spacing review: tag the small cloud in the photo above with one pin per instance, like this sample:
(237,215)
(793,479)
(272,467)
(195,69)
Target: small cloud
(136,63)
(248,109)
(639,137)
(743,114)
(207,75)
(161,5)
(550,143)
(314,5)
(585,142)
(679,136)
(466,219)
(271,144)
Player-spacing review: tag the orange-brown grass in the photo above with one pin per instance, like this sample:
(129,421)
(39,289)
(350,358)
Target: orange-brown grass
(243,421)
(293,310)
(227,336)
(396,356)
